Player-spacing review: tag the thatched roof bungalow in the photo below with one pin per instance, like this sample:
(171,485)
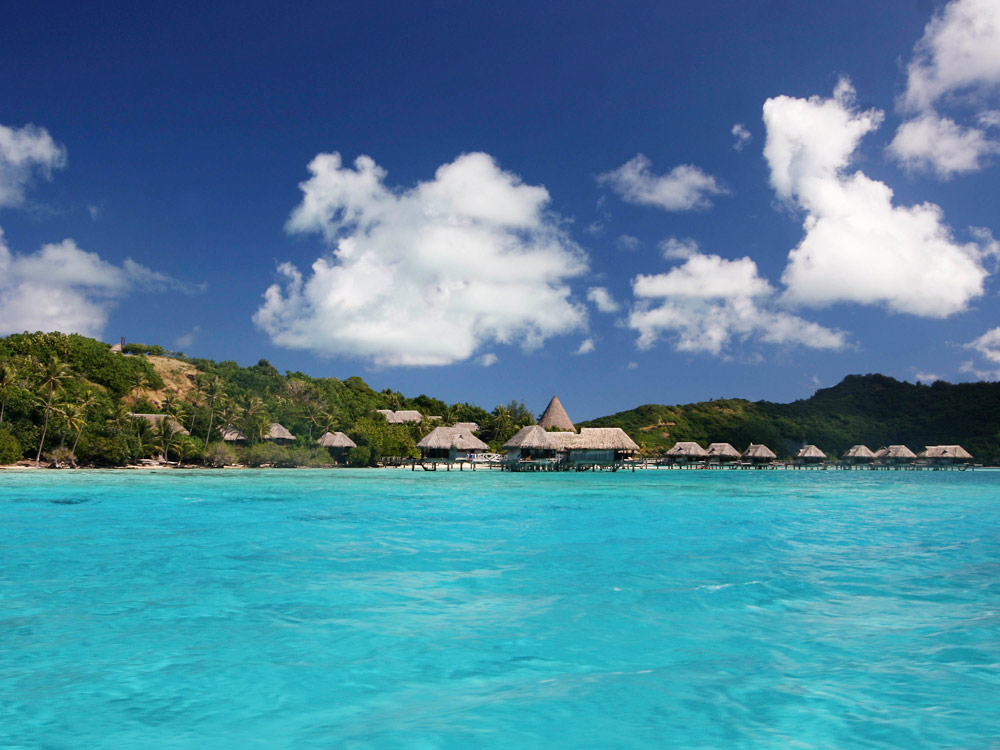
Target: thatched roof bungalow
(859,454)
(686,452)
(758,454)
(719,453)
(450,444)
(279,435)
(555,417)
(231,435)
(470,426)
(895,454)
(810,454)
(945,455)
(176,428)
(404,416)
(597,446)
(533,443)
(337,443)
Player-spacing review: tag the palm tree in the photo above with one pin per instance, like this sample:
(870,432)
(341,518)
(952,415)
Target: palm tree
(166,434)
(54,372)
(255,419)
(501,422)
(213,390)
(140,381)
(75,417)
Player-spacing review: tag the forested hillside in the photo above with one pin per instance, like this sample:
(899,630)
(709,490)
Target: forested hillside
(874,410)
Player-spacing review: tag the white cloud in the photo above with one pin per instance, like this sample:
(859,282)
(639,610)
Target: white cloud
(938,144)
(488,360)
(586,346)
(709,301)
(955,63)
(674,248)
(684,188)
(424,276)
(632,366)
(988,345)
(64,288)
(859,247)
(627,243)
(927,377)
(742,135)
(602,299)
(186,340)
(23,152)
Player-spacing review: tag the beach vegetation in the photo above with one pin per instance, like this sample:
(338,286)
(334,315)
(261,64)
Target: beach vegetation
(10,449)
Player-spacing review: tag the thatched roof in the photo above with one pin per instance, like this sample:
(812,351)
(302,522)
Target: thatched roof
(810,451)
(757,450)
(231,435)
(336,440)
(688,450)
(895,451)
(601,439)
(563,440)
(946,451)
(389,414)
(859,451)
(155,419)
(535,436)
(452,437)
(555,416)
(277,432)
(400,417)
(470,426)
(723,450)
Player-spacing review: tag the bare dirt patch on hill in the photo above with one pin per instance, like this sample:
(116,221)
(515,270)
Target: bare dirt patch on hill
(179,379)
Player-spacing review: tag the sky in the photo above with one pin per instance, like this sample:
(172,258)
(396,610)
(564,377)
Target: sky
(619,203)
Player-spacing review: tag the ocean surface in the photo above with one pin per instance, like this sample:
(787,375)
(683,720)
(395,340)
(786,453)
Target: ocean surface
(398,609)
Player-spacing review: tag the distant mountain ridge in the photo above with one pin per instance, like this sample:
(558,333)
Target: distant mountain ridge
(873,410)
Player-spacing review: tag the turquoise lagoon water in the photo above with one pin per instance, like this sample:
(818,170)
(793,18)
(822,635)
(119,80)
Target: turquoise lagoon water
(459,610)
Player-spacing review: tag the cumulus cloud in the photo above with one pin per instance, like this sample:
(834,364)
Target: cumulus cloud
(684,188)
(709,301)
(859,247)
(64,288)
(23,153)
(627,243)
(428,275)
(186,340)
(742,136)
(488,360)
(674,248)
(602,299)
(586,346)
(937,144)
(955,63)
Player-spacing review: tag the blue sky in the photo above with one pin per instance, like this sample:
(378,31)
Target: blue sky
(619,203)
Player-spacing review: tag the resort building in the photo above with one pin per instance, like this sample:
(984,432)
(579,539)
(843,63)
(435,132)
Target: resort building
(279,435)
(858,455)
(404,416)
(895,455)
(945,455)
(338,444)
(449,445)
(231,435)
(684,453)
(176,428)
(470,426)
(555,417)
(722,453)
(599,447)
(533,448)
(809,455)
(758,455)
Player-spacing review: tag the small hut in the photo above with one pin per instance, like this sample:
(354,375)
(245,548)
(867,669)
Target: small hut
(945,455)
(757,454)
(532,444)
(598,446)
(470,426)
(555,417)
(722,453)
(450,444)
(176,428)
(404,416)
(338,444)
(858,454)
(279,435)
(809,455)
(895,455)
(231,435)
(684,453)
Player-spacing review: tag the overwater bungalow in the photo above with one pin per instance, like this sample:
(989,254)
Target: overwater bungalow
(858,455)
(945,455)
(231,435)
(449,445)
(894,455)
(722,453)
(155,419)
(809,455)
(532,448)
(279,435)
(758,455)
(555,417)
(338,444)
(686,453)
(599,447)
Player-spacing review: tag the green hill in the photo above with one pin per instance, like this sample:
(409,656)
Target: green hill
(871,409)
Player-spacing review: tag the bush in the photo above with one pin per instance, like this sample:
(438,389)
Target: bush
(265,454)
(359,456)
(219,455)
(10,449)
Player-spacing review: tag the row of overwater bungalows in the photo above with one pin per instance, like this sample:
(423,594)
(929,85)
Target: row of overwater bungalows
(756,455)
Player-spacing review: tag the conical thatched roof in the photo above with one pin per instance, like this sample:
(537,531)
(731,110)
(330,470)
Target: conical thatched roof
(688,450)
(277,432)
(859,451)
(602,439)
(946,451)
(154,420)
(895,451)
(810,451)
(555,416)
(722,450)
(336,440)
(757,450)
(452,437)
(231,435)
(533,436)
